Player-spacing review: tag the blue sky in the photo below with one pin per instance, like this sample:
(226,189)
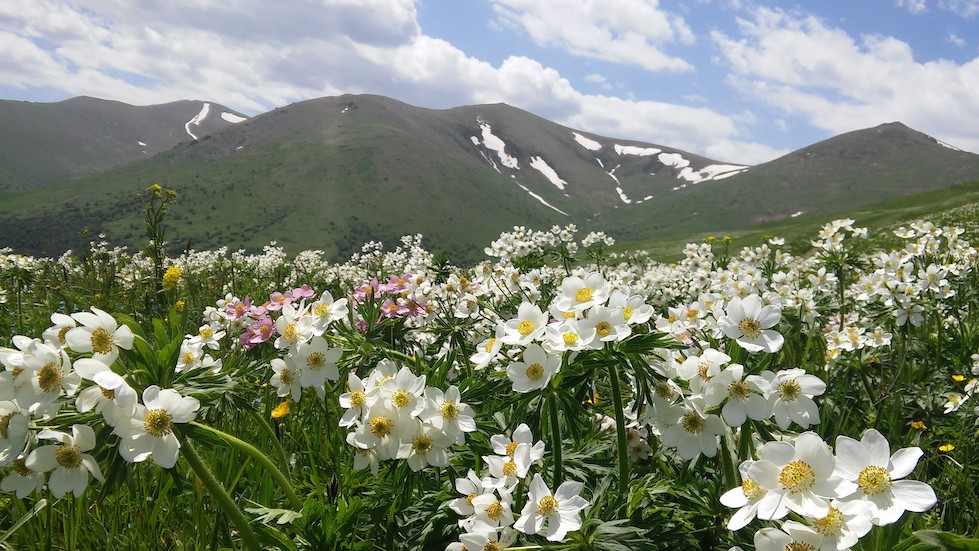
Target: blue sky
(735,80)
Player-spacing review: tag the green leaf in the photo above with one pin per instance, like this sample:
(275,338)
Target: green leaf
(936,540)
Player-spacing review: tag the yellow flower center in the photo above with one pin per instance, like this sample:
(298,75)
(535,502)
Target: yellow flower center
(5,424)
(68,456)
(526,327)
(20,468)
(627,312)
(751,328)
(400,398)
(511,448)
(664,390)
(831,525)
(109,394)
(49,377)
(381,426)
(509,468)
(874,480)
(799,546)
(789,390)
(535,372)
(158,422)
(493,546)
(321,310)
(188,358)
(584,294)
(751,490)
(570,338)
(494,510)
(357,398)
(702,369)
(547,506)
(207,333)
(469,499)
(568,315)
(489,345)
(693,423)
(421,444)
(797,477)
(450,411)
(739,390)
(316,360)
(286,376)
(61,334)
(290,334)
(603,328)
(101,341)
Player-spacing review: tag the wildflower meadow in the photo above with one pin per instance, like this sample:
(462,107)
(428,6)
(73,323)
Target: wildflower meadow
(553,396)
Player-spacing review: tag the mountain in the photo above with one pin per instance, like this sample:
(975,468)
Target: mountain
(44,143)
(853,170)
(333,173)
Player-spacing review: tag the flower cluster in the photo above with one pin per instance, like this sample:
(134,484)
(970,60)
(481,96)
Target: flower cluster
(391,414)
(840,497)
(487,503)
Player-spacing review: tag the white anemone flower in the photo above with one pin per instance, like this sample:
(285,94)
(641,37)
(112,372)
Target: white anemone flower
(318,362)
(579,294)
(491,512)
(528,326)
(427,446)
(484,536)
(100,335)
(741,398)
(750,324)
(286,378)
(522,434)
(111,396)
(510,468)
(354,401)
(744,497)
(150,431)
(326,311)
(699,369)
(487,351)
(843,526)
(794,536)
(553,515)
(797,477)
(608,323)
(534,371)
(874,475)
(470,487)
(55,335)
(21,480)
(49,372)
(791,392)
(14,431)
(445,411)
(693,432)
(68,460)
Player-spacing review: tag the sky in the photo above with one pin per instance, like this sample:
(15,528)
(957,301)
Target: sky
(737,81)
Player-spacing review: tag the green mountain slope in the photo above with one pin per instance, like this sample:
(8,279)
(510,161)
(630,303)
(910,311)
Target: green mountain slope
(44,143)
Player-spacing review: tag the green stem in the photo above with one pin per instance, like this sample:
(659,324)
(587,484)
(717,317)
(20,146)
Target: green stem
(217,491)
(262,459)
(620,428)
(556,447)
(280,454)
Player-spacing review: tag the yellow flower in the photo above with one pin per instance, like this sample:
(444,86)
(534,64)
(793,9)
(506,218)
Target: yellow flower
(280,410)
(920,425)
(945,448)
(155,188)
(958,378)
(179,306)
(171,277)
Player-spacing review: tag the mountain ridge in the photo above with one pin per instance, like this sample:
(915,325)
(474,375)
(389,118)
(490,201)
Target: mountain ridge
(331,173)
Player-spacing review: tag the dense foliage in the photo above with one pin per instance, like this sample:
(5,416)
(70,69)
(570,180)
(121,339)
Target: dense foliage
(554,396)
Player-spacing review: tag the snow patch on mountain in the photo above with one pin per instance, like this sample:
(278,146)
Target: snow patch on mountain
(141,143)
(232,118)
(712,172)
(539,198)
(587,143)
(494,143)
(673,159)
(198,119)
(618,186)
(948,145)
(634,150)
(548,172)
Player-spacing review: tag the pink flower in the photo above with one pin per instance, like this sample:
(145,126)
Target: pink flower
(391,309)
(239,308)
(396,284)
(303,292)
(258,332)
(371,289)
(277,300)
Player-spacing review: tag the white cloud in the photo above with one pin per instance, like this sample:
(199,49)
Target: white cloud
(218,51)
(913,6)
(955,40)
(597,79)
(621,31)
(800,65)
(964,8)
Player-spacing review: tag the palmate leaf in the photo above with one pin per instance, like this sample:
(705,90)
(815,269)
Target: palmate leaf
(935,540)
(266,515)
